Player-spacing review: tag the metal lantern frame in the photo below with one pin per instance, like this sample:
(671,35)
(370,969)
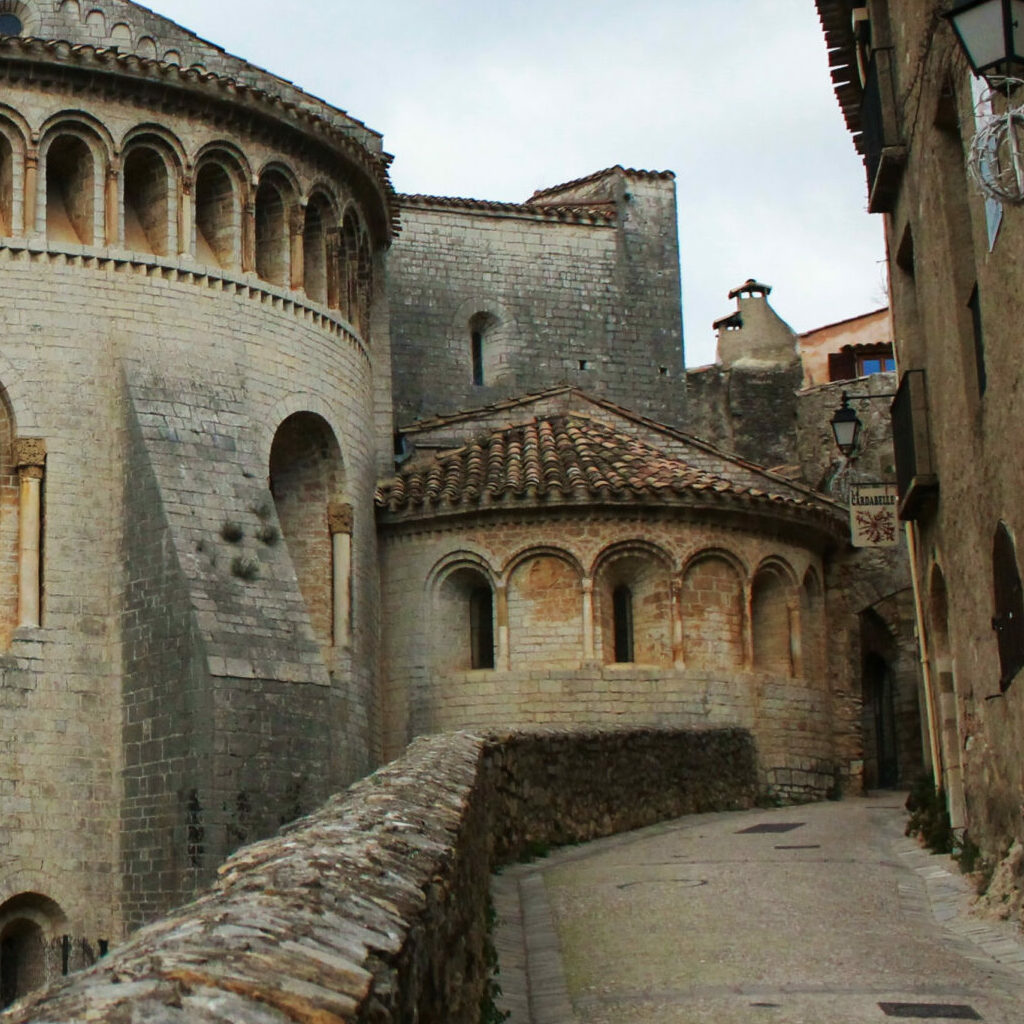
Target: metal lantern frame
(846,427)
(1002,17)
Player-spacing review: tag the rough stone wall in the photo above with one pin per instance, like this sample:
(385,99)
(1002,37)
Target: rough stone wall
(944,241)
(73,314)
(374,909)
(866,582)
(702,682)
(747,410)
(158,384)
(595,305)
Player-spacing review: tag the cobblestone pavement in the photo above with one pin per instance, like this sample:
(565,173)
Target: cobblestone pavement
(837,920)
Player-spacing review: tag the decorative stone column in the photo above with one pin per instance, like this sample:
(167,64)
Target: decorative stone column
(112,209)
(249,237)
(502,658)
(588,619)
(676,601)
(31,196)
(339,520)
(185,217)
(30,459)
(334,250)
(297,224)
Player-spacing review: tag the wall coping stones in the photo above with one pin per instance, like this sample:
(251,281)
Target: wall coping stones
(375,907)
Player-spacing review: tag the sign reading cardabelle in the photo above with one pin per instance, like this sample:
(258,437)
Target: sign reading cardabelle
(873,519)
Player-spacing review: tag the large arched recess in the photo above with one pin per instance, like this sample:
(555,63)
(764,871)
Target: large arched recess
(30,926)
(545,609)
(306,476)
(712,607)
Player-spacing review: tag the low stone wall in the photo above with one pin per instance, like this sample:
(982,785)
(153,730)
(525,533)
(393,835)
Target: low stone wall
(374,909)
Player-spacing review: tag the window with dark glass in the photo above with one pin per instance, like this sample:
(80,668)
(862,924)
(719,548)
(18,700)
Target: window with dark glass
(622,610)
(477,344)
(1008,621)
(481,628)
(974,305)
(10,25)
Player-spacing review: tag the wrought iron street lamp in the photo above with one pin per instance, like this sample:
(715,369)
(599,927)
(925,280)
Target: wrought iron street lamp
(846,427)
(991,33)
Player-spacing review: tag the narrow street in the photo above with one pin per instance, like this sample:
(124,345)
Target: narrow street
(820,914)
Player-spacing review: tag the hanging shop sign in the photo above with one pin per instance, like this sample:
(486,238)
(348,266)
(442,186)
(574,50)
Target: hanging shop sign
(873,519)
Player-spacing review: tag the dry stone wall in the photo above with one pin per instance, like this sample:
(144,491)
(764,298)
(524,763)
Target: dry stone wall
(375,908)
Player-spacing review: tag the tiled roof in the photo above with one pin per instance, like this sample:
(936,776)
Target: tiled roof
(836,21)
(568,459)
(594,213)
(461,415)
(629,172)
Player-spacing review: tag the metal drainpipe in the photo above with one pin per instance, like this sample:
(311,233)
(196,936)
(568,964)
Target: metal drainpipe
(926,668)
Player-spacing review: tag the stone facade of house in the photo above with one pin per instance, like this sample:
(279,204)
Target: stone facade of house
(914,108)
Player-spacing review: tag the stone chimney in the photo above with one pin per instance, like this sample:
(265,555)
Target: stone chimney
(755,335)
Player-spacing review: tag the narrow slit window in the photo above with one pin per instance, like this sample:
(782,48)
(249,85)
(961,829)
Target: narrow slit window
(622,609)
(974,305)
(477,344)
(481,628)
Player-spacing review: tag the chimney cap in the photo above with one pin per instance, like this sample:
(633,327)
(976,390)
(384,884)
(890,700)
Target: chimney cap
(751,287)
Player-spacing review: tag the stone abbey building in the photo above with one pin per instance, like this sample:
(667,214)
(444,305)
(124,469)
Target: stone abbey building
(247,556)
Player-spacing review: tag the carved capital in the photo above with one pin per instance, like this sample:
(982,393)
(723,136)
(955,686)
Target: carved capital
(297,216)
(339,518)
(30,452)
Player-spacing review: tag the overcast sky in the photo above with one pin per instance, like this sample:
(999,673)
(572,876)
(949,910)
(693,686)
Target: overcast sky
(494,100)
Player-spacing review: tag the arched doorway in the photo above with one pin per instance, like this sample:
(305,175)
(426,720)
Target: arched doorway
(880,723)
(30,927)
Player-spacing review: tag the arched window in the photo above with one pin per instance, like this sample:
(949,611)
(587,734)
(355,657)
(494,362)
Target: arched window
(481,358)
(622,612)
(481,627)
(217,216)
(6,186)
(1008,621)
(633,606)
(273,239)
(147,206)
(10,25)
(70,191)
(477,356)
(463,628)
(314,248)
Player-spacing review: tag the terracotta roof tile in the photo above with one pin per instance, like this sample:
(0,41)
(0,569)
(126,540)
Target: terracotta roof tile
(581,213)
(629,172)
(570,457)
